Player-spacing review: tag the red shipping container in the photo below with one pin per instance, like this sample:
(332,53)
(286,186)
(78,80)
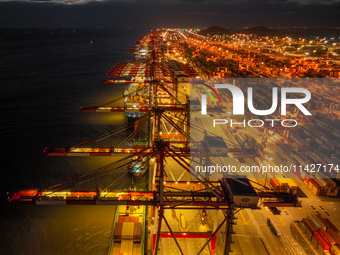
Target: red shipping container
(326,237)
(137,232)
(314,183)
(134,219)
(123,218)
(298,173)
(334,235)
(309,225)
(275,184)
(321,241)
(117,234)
(329,225)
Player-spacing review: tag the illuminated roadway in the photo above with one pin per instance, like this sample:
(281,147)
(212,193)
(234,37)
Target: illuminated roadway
(252,234)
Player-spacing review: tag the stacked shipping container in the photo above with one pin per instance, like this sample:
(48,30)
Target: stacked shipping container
(127,234)
(322,234)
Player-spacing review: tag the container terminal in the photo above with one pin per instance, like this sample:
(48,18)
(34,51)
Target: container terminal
(181,214)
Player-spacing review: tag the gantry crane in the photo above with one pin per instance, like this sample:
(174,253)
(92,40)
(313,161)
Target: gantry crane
(169,138)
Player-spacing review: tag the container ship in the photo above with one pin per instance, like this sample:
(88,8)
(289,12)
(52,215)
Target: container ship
(136,98)
(128,231)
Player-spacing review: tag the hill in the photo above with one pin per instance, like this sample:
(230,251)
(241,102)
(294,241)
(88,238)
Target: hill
(215,30)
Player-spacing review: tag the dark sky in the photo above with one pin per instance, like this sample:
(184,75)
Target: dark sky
(167,13)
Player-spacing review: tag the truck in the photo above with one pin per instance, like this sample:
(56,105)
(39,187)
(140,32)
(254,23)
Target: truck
(274,227)
(182,221)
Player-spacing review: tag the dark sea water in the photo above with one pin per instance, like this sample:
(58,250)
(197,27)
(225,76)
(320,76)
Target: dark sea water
(45,76)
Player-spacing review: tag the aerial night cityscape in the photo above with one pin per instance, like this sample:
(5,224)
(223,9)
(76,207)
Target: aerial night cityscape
(170,127)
